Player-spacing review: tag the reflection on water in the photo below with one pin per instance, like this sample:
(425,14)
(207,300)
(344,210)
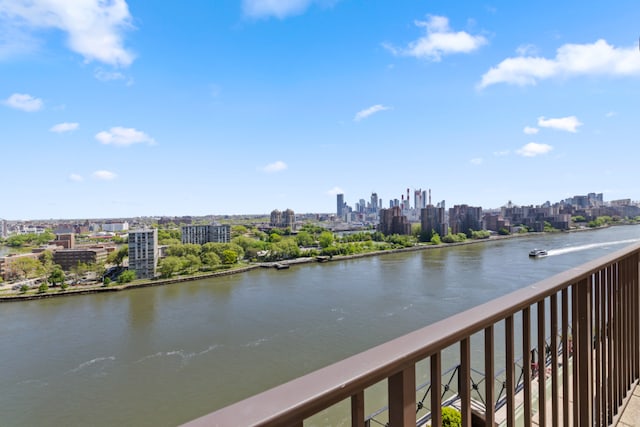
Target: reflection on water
(161,356)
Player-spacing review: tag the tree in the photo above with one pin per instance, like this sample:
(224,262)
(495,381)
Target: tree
(435,239)
(98,269)
(275,238)
(480,234)
(304,238)
(126,277)
(416,230)
(219,249)
(43,288)
(286,249)
(210,259)
(46,258)
(229,257)
(326,239)
(169,266)
(56,276)
(27,267)
(238,230)
(192,263)
(169,237)
(78,270)
(117,257)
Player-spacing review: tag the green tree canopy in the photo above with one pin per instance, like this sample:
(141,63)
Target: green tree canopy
(118,256)
(229,257)
(26,267)
(126,277)
(210,259)
(326,239)
(56,277)
(304,238)
(169,265)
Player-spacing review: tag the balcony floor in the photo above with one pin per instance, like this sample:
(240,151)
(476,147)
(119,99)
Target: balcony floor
(630,414)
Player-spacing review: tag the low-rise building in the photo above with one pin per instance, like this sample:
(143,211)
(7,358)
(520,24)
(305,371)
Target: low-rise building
(70,258)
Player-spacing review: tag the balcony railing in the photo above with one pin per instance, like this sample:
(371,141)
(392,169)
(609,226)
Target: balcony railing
(585,320)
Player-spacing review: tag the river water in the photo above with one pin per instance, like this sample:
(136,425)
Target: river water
(162,356)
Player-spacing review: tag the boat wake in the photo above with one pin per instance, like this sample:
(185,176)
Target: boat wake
(98,362)
(561,251)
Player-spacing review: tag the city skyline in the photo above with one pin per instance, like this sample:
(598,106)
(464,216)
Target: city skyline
(125,109)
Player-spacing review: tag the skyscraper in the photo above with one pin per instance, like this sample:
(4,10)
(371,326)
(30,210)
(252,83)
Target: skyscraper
(374,202)
(340,205)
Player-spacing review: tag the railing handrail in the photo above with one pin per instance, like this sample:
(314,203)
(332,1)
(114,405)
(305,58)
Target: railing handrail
(305,396)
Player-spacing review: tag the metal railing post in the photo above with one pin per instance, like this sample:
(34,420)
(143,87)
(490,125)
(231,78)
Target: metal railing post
(402,398)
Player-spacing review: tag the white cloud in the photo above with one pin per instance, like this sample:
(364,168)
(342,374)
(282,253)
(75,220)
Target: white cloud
(501,153)
(476,161)
(124,137)
(75,177)
(64,127)
(526,49)
(278,8)
(439,40)
(275,167)
(24,102)
(335,191)
(104,175)
(530,130)
(94,28)
(569,124)
(107,76)
(369,111)
(533,149)
(611,114)
(599,58)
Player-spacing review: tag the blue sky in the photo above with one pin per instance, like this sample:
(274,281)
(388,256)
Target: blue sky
(119,109)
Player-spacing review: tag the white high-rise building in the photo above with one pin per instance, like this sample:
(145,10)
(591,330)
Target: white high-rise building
(143,252)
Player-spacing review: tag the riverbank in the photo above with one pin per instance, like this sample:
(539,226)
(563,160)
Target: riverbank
(143,283)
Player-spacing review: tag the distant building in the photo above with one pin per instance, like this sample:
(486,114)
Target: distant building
(69,258)
(143,252)
(115,226)
(393,222)
(374,202)
(463,218)
(283,219)
(495,222)
(66,241)
(201,234)
(340,205)
(432,220)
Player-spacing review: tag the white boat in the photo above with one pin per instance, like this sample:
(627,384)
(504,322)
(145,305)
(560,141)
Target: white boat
(538,253)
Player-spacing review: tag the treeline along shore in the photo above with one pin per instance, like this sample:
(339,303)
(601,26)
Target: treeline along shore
(143,283)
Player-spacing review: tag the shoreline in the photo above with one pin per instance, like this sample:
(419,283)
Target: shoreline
(94,289)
